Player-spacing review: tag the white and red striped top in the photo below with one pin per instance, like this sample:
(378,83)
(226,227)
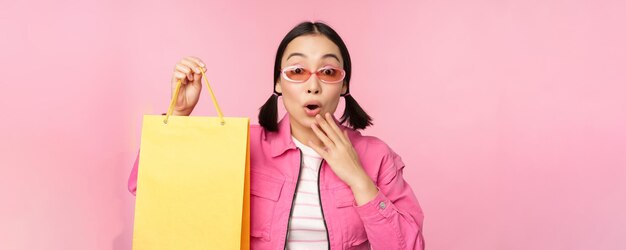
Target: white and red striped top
(306,227)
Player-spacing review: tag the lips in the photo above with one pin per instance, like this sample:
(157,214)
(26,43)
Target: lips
(312,108)
(312,104)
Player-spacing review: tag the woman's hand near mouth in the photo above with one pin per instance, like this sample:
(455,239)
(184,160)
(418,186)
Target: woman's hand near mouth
(342,158)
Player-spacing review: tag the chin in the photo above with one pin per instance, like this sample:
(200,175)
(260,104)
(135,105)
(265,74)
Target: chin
(305,120)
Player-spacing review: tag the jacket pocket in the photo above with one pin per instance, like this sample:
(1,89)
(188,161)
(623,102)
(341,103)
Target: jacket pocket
(264,194)
(352,228)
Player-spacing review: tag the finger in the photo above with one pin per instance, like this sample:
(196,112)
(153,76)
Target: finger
(194,69)
(197,78)
(179,76)
(327,130)
(327,142)
(196,60)
(318,149)
(192,65)
(183,68)
(334,127)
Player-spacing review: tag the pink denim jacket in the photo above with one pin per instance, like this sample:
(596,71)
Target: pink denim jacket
(392,220)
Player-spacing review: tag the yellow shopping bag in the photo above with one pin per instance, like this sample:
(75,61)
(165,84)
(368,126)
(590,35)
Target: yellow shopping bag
(193,182)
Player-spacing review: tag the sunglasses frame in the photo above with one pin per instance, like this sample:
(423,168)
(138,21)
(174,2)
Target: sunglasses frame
(285,69)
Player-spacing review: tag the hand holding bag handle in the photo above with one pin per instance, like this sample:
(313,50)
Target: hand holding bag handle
(175,97)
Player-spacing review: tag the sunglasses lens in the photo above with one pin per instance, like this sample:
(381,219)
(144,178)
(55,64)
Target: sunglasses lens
(297,74)
(331,74)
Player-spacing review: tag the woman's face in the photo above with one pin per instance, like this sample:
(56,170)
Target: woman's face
(312,52)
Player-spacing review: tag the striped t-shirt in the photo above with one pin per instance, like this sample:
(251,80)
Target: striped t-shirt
(306,227)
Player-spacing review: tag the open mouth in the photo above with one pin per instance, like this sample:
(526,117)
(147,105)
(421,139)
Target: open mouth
(312,107)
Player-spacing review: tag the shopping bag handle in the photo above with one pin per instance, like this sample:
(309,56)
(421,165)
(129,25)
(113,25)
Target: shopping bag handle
(175,97)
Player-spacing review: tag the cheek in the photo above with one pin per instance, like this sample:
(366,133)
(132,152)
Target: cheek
(333,97)
(289,104)
(331,105)
(290,97)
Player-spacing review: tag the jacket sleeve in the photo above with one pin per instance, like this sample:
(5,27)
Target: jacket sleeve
(394,218)
(132,179)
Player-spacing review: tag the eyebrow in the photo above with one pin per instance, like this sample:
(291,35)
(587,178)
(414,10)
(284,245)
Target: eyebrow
(325,56)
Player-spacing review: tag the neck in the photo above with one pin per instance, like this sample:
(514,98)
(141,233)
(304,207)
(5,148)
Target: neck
(303,134)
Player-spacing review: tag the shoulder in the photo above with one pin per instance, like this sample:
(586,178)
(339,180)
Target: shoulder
(256,128)
(369,144)
(257,134)
(377,156)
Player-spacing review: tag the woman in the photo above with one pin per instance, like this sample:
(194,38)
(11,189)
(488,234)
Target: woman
(315,183)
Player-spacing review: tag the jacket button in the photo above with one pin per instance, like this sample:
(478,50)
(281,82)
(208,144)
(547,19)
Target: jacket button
(382,205)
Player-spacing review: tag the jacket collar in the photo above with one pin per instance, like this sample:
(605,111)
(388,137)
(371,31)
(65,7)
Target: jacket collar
(281,141)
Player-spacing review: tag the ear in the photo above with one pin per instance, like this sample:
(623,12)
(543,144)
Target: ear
(344,89)
(277,88)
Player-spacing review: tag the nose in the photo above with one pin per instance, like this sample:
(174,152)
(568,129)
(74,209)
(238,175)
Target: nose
(313,85)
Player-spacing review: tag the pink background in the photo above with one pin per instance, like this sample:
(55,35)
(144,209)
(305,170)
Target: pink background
(511,115)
